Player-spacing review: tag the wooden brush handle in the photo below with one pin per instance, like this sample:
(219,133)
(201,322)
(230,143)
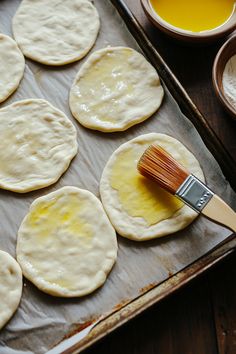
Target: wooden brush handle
(217,210)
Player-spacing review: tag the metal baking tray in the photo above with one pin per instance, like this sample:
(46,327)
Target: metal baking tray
(145,272)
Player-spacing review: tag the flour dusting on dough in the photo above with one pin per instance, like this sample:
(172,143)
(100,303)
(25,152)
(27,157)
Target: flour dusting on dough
(37,144)
(55,32)
(12,65)
(10,287)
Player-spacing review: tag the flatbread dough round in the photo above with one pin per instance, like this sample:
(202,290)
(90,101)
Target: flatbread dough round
(115,89)
(10,287)
(37,143)
(12,65)
(66,245)
(137,207)
(55,32)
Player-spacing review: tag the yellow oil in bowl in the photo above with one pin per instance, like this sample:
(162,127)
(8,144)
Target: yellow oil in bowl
(194,16)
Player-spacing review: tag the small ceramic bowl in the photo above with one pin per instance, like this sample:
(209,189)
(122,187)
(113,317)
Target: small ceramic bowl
(222,57)
(178,33)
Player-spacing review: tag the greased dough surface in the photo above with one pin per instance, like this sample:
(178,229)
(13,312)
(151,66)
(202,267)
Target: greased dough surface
(137,207)
(115,89)
(10,287)
(66,245)
(55,32)
(12,65)
(37,143)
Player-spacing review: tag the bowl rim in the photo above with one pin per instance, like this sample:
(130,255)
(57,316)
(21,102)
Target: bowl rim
(225,28)
(215,71)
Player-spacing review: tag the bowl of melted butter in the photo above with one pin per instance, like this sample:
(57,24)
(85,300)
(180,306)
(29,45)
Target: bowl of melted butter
(192,20)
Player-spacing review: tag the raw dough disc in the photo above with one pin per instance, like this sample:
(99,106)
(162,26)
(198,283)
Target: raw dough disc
(12,65)
(10,287)
(66,245)
(115,89)
(137,207)
(55,32)
(37,143)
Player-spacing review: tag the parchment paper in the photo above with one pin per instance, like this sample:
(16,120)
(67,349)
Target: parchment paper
(41,320)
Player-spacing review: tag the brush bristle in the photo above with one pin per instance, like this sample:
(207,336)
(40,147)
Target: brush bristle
(160,166)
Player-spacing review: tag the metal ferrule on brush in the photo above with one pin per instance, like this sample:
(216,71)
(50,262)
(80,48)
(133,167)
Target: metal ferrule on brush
(194,193)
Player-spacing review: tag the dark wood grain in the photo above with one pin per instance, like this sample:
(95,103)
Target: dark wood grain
(201,318)
(185,322)
(223,294)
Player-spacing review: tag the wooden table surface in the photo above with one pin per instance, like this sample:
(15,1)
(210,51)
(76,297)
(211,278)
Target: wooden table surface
(200,318)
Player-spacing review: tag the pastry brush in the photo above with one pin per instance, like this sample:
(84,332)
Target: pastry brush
(160,166)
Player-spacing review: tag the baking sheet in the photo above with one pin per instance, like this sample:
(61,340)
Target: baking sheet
(41,320)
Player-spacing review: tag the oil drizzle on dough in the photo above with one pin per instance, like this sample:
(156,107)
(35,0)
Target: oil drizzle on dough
(139,196)
(50,216)
(108,78)
(55,220)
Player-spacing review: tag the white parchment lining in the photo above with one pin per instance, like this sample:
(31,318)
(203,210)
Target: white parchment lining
(41,321)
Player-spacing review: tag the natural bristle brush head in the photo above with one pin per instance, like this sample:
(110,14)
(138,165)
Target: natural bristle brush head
(159,165)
